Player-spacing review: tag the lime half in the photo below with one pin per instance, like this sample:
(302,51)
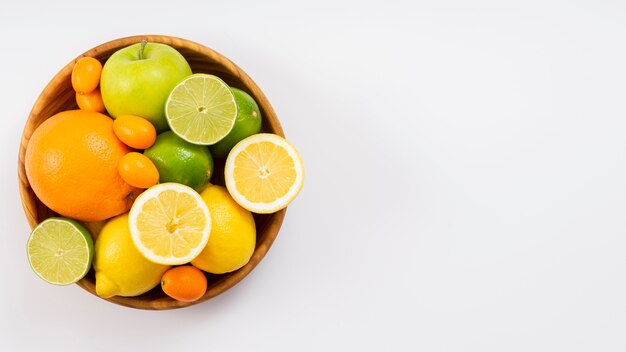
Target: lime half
(201,109)
(60,251)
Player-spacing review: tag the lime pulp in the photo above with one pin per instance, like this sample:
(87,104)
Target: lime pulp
(201,109)
(60,251)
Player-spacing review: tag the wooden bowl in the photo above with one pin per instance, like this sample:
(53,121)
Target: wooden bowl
(58,96)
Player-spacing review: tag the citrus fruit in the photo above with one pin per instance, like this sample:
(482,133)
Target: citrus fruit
(71,163)
(91,101)
(170,223)
(120,269)
(134,131)
(264,173)
(86,75)
(248,122)
(184,283)
(60,251)
(201,109)
(138,171)
(180,161)
(233,234)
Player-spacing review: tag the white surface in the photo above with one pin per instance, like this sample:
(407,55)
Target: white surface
(466,177)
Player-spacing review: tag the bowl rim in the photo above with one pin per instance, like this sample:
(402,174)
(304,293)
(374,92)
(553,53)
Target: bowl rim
(32,208)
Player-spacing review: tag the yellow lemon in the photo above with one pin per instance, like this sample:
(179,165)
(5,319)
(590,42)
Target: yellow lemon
(264,173)
(120,269)
(233,234)
(170,224)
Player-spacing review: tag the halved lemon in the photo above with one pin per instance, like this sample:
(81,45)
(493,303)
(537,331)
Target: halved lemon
(264,173)
(170,224)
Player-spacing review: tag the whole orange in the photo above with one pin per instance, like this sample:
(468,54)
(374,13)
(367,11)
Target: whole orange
(71,164)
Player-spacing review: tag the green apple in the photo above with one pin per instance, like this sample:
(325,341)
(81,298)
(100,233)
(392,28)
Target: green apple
(137,80)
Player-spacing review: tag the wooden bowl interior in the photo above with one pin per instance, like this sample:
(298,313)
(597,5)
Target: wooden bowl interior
(59,96)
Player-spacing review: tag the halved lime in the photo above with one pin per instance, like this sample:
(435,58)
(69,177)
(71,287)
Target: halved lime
(201,109)
(60,251)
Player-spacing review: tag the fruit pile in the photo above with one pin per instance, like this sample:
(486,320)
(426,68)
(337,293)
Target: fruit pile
(138,156)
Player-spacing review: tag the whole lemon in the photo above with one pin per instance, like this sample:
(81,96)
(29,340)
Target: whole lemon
(120,269)
(233,233)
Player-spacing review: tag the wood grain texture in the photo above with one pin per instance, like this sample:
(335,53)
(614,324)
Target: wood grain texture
(58,96)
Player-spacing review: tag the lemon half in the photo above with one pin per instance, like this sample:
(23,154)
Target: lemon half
(170,224)
(264,173)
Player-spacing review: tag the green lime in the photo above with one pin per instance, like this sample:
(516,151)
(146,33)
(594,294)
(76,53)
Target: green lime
(248,122)
(60,251)
(180,161)
(201,109)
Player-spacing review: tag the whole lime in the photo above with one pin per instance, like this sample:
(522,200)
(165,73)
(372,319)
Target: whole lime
(180,161)
(248,122)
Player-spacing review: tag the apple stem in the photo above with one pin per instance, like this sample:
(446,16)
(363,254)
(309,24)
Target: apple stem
(143,46)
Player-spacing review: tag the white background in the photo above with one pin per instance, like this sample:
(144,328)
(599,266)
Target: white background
(465,164)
